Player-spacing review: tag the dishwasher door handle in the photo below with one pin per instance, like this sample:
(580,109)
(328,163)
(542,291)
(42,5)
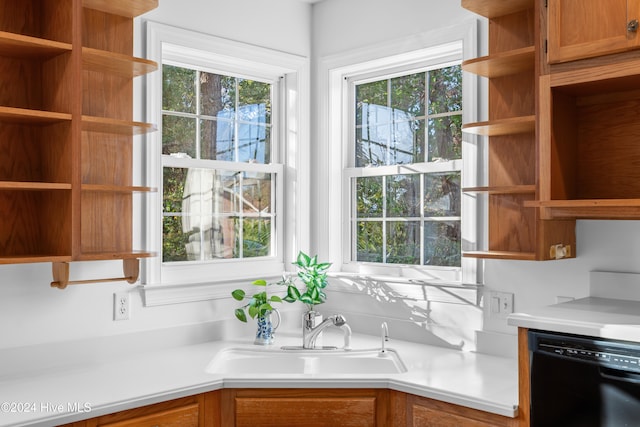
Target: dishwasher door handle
(620,375)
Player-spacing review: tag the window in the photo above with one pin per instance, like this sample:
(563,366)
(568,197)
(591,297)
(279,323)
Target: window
(390,202)
(233,121)
(413,120)
(212,208)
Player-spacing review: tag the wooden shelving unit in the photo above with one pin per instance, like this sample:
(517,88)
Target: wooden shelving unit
(502,63)
(67,128)
(516,230)
(500,127)
(496,8)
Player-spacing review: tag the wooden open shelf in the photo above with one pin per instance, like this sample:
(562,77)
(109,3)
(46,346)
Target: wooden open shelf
(495,9)
(98,256)
(21,46)
(525,256)
(34,186)
(66,118)
(510,126)
(590,209)
(114,63)
(27,259)
(511,189)
(126,8)
(27,116)
(118,188)
(121,127)
(515,229)
(502,63)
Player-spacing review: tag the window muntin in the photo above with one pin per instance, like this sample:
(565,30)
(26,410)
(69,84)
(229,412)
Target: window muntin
(212,208)
(412,217)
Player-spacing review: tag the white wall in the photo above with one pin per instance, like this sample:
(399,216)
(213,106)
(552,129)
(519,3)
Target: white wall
(30,311)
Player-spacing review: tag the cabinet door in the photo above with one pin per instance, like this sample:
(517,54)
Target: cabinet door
(586,28)
(424,412)
(304,408)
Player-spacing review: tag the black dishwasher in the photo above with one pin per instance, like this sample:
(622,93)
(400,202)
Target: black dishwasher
(583,381)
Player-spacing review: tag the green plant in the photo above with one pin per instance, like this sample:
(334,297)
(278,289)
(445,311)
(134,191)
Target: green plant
(314,275)
(259,303)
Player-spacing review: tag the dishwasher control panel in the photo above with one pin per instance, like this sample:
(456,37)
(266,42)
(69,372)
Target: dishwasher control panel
(612,354)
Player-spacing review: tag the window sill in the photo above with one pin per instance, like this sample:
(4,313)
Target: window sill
(166,294)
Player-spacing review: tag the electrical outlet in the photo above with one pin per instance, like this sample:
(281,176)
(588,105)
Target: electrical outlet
(500,304)
(121,306)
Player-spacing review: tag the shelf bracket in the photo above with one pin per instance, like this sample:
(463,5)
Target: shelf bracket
(60,270)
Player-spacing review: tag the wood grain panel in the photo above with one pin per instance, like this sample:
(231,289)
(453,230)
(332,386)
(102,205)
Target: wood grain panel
(184,412)
(586,28)
(608,151)
(510,32)
(424,412)
(512,227)
(106,224)
(21,85)
(512,96)
(105,31)
(107,159)
(512,160)
(493,8)
(48,19)
(305,407)
(34,223)
(524,390)
(305,412)
(107,95)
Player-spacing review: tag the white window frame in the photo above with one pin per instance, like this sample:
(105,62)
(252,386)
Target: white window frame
(192,281)
(444,46)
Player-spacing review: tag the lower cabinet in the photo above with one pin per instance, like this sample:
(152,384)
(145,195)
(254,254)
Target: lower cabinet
(193,411)
(301,407)
(305,407)
(423,412)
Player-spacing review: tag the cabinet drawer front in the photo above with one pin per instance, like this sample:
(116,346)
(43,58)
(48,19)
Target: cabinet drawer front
(306,412)
(184,416)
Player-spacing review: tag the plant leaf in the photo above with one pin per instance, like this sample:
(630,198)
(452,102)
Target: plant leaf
(240,315)
(275,299)
(293,292)
(238,294)
(260,282)
(305,298)
(253,310)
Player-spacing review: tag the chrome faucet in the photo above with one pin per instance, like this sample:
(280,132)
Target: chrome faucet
(310,333)
(384,335)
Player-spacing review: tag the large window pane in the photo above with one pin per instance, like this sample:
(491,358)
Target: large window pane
(445,90)
(178,135)
(442,194)
(217,140)
(178,89)
(256,193)
(217,95)
(442,243)
(403,242)
(369,241)
(407,94)
(256,240)
(403,195)
(370,198)
(445,138)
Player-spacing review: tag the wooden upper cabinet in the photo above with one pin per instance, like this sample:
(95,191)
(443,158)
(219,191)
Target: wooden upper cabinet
(580,29)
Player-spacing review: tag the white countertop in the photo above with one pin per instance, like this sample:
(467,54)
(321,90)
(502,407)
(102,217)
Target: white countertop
(592,316)
(45,397)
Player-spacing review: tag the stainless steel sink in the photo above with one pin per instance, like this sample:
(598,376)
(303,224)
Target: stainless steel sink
(327,362)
